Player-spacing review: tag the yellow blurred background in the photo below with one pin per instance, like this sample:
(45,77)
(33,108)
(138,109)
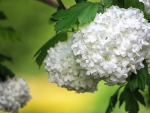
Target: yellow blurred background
(31,19)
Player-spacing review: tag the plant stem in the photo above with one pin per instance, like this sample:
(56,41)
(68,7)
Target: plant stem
(50,2)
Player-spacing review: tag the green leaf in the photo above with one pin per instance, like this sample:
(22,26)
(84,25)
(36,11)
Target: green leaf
(148,84)
(148,101)
(124,95)
(9,32)
(2,16)
(131,104)
(139,97)
(138,81)
(113,101)
(4,57)
(5,73)
(42,52)
(83,12)
(115,2)
(100,9)
(61,5)
(78,1)
(106,3)
(133,3)
(121,3)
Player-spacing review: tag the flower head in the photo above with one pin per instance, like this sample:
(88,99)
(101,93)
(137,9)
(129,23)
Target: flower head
(62,68)
(113,45)
(14,93)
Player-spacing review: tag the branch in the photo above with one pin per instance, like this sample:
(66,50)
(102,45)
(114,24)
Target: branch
(51,3)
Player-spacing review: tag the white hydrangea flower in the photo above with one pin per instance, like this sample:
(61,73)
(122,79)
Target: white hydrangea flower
(113,45)
(14,93)
(62,68)
(147,5)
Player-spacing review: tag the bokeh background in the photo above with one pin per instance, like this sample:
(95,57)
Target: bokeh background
(31,19)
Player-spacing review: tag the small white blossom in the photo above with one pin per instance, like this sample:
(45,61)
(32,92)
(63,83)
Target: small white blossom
(147,5)
(14,93)
(113,45)
(62,69)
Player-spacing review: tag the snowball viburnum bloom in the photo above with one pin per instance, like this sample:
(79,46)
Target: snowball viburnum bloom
(147,5)
(14,93)
(113,45)
(62,69)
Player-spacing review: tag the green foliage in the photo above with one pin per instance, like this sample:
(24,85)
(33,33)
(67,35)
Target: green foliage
(116,2)
(148,100)
(9,32)
(2,16)
(61,5)
(78,1)
(121,3)
(138,96)
(133,3)
(5,58)
(148,84)
(131,104)
(100,8)
(83,12)
(42,52)
(130,98)
(113,101)
(5,73)
(139,80)
(106,3)
(128,3)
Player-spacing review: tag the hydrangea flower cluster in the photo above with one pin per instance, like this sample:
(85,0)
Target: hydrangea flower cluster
(62,68)
(114,45)
(147,5)
(14,93)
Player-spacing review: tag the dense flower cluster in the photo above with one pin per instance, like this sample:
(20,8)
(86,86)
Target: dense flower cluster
(113,45)
(62,68)
(147,5)
(14,93)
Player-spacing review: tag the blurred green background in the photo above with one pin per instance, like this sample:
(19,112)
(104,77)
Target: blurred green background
(31,19)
